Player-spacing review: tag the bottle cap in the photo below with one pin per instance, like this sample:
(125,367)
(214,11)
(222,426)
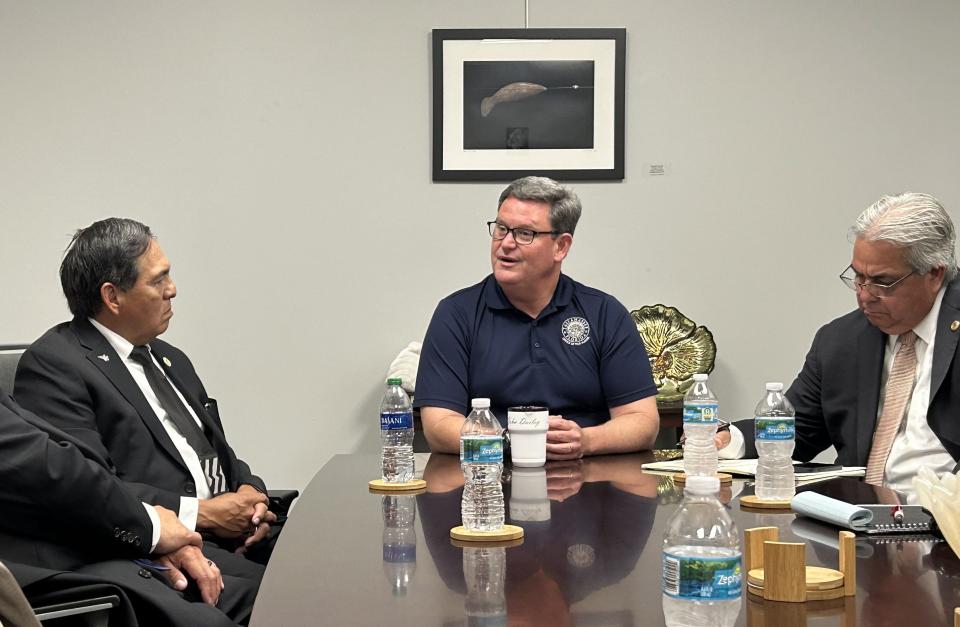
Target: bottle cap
(700,376)
(394,381)
(480,403)
(774,386)
(702,485)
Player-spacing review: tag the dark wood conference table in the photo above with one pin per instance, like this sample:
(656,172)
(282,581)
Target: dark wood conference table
(590,556)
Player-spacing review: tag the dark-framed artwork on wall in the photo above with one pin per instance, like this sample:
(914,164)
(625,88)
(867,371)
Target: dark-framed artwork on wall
(514,102)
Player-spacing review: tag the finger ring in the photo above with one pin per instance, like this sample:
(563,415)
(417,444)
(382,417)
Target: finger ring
(210,563)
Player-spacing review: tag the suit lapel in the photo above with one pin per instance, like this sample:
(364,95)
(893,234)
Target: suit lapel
(870,348)
(102,355)
(945,344)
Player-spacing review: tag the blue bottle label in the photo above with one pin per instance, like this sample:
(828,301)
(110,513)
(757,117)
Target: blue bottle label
(711,578)
(700,413)
(482,450)
(775,428)
(399,553)
(396,420)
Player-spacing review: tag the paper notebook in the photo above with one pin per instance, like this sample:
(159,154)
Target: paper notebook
(870,519)
(748,468)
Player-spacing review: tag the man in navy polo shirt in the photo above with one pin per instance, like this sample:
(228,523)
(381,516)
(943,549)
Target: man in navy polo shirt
(528,334)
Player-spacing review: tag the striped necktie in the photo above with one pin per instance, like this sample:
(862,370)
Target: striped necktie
(182,420)
(895,398)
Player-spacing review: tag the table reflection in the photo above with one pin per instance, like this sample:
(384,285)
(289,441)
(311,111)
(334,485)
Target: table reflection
(585,524)
(399,541)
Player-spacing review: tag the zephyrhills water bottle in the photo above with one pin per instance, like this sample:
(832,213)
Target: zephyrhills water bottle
(399,542)
(484,571)
(481,458)
(699,429)
(702,569)
(775,430)
(396,434)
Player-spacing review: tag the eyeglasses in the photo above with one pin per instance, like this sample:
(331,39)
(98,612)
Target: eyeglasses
(520,236)
(849,278)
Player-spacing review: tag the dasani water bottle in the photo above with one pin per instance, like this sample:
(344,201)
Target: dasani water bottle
(775,430)
(396,434)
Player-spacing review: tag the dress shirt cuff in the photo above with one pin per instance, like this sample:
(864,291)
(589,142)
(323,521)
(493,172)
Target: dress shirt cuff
(736,448)
(155,525)
(189,508)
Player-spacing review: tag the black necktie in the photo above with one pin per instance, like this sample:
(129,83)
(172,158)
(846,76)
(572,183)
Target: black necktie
(181,418)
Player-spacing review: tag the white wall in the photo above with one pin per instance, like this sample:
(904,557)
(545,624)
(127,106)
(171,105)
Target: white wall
(281,151)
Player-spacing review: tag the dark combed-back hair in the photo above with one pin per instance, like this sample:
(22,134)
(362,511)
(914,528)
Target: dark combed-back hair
(564,204)
(105,252)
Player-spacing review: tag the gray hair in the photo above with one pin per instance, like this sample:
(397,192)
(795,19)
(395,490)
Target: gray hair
(918,223)
(564,204)
(107,251)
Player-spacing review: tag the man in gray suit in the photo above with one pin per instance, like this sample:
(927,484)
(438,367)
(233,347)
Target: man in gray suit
(882,383)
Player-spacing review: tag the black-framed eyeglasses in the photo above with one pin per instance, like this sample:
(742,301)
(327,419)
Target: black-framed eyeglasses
(520,236)
(849,278)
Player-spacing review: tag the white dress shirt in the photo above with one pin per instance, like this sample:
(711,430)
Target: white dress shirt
(189,506)
(916,444)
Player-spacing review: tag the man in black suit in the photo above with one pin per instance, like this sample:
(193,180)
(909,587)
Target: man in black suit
(68,522)
(106,379)
(904,272)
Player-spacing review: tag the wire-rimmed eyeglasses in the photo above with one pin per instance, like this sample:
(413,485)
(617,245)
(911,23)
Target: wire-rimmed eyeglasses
(849,278)
(520,236)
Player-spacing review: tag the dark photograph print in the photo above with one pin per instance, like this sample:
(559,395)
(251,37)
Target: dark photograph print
(513,102)
(528,104)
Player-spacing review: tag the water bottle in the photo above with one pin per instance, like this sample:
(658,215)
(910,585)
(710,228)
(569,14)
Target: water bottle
(399,542)
(702,565)
(481,458)
(775,430)
(396,434)
(699,429)
(484,571)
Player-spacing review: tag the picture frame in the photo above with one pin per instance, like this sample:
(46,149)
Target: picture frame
(509,103)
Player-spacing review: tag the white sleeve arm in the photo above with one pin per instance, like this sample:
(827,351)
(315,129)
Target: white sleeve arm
(189,508)
(155,523)
(736,448)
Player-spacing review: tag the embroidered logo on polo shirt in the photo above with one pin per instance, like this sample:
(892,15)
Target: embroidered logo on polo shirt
(575,331)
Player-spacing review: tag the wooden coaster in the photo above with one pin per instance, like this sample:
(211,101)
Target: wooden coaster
(752,502)
(474,544)
(818,578)
(507,532)
(724,478)
(379,485)
(822,583)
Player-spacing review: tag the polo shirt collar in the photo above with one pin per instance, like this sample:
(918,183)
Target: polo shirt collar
(495,298)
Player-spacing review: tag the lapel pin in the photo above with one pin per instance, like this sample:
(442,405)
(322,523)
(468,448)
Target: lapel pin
(955,325)
(104,357)
(166,360)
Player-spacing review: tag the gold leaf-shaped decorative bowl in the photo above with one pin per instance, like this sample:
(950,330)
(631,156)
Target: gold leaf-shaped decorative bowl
(677,349)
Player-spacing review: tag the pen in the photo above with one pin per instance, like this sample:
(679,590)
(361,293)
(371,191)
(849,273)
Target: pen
(722,425)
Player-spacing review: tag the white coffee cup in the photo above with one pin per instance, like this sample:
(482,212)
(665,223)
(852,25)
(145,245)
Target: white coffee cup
(528,435)
(529,501)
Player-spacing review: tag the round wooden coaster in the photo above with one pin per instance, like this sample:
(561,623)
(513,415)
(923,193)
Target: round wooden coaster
(724,478)
(474,544)
(819,579)
(507,532)
(379,485)
(752,502)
